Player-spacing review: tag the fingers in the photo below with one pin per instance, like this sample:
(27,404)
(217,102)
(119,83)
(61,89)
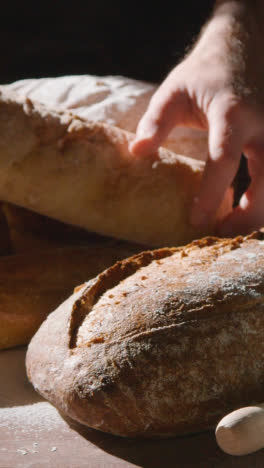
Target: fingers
(225,148)
(249,215)
(168,106)
(231,124)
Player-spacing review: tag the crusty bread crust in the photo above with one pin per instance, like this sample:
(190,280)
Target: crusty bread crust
(82,173)
(115,100)
(164,343)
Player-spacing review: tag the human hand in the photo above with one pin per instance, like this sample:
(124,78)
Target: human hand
(218,87)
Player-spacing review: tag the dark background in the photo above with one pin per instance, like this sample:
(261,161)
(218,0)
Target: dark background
(137,39)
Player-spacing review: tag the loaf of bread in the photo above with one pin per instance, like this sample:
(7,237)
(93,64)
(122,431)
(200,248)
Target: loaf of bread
(164,343)
(5,240)
(115,100)
(34,283)
(82,173)
(29,231)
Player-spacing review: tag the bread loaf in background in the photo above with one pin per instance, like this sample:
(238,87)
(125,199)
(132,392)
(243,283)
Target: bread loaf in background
(82,173)
(29,231)
(115,100)
(5,240)
(164,343)
(34,283)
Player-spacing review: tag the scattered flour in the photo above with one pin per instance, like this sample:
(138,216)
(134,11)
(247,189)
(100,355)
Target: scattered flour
(35,418)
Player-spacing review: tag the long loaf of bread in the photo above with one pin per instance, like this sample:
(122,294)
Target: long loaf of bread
(164,343)
(82,173)
(115,100)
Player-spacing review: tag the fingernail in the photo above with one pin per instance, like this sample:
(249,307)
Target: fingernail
(140,145)
(137,139)
(135,147)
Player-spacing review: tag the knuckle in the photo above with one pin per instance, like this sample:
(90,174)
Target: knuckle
(164,102)
(170,89)
(229,106)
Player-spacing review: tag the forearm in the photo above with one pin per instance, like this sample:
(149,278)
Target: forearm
(255,4)
(240,9)
(234,35)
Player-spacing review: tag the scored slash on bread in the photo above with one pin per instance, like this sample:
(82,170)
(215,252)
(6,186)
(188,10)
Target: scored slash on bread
(161,344)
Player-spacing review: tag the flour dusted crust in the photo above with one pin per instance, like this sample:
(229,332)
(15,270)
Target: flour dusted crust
(163,343)
(82,173)
(115,100)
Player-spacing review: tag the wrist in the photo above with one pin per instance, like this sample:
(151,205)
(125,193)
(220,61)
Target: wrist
(242,10)
(234,23)
(230,44)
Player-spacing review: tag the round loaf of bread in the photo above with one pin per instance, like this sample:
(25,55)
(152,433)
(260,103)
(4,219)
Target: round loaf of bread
(163,343)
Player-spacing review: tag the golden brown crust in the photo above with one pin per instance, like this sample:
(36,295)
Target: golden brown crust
(161,344)
(83,174)
(115,100)
(107,280)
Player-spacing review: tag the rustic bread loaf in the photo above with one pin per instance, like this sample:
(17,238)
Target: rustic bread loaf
(5,240)
(34,283)
(164,343)
(82,173)
(115,100)
(30,231)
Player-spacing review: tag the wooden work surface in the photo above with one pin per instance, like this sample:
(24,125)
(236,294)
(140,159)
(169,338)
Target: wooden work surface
(34,435)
